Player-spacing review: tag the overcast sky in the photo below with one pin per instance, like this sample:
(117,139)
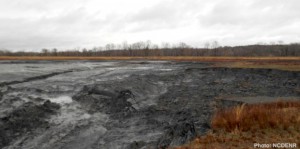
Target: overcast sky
(35,24)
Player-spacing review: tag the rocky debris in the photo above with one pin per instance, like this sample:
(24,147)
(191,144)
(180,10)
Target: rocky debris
(180,130)
(25,119)
(178,134)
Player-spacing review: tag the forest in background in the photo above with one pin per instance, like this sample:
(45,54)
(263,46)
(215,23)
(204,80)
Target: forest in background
(146,48)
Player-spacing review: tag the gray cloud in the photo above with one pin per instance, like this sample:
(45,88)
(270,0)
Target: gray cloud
(36,24)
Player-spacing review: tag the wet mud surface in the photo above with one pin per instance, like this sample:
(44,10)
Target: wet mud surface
(133,104)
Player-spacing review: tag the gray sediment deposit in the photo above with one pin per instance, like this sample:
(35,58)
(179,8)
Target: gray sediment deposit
(124,104)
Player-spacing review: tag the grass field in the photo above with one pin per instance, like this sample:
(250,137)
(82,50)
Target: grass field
(242,126)
(281,63)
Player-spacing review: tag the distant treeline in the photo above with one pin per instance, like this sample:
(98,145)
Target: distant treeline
(181,49)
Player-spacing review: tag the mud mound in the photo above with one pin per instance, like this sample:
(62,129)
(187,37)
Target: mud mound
(177,124)
(25,119)
(125,104)
(178,134)
(95,98)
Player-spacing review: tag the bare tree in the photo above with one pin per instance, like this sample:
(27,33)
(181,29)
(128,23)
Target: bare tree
(206,45)
(215,44)
(147,48)
(125,45)
(54,52)
(45,52)
(165,45)
(280,42)
(108,47)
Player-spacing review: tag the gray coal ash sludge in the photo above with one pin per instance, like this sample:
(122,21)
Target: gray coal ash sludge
(132,104)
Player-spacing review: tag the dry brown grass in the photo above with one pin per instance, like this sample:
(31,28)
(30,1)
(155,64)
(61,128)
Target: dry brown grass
(243,140)
(281,63)
(291,65)
(241,126)
(258,116)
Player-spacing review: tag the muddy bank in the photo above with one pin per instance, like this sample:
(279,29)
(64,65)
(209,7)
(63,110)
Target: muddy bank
(25,120)
(125,104)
